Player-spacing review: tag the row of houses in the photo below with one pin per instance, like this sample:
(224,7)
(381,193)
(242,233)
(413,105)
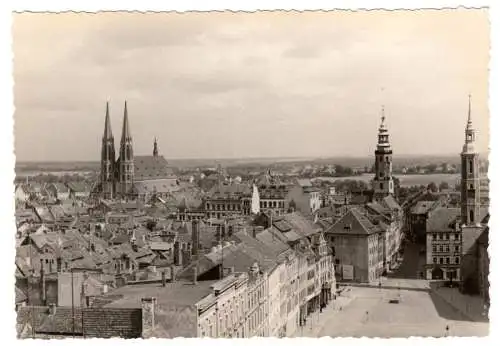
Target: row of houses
(58,191)
(258,282)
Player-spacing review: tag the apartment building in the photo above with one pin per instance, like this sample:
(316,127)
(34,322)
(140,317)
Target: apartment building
(228,199)
(358,247)
(443,244)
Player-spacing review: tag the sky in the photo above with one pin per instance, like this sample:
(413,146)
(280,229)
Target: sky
(238,85)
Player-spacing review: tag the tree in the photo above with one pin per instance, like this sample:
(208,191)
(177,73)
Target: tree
(432,187)
(444,186)
(151,224)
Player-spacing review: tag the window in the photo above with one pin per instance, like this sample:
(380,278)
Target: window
(447,260)
(441,236)
(440,248)
(457,260)
(471,215)
(447,236)
(434,248)
(434,259)
(441,260)
(471,165)
(381,185)
(434,237)
(457,248)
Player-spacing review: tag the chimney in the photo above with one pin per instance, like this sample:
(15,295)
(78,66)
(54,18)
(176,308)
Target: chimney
(44,287)
(177,254)
(172,273)
(195,237)
(148,306)
(52,309)
(195,275)
(163,278)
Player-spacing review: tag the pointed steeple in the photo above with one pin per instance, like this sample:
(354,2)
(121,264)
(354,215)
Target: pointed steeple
(125,130)
(469,117)
(470,133)
(108,134)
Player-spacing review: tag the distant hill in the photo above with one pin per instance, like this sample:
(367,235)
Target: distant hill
(191,163)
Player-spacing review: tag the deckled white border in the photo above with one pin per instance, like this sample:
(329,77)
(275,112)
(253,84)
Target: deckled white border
(8,159)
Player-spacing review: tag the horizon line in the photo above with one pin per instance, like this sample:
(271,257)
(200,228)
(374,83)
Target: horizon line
(262,158)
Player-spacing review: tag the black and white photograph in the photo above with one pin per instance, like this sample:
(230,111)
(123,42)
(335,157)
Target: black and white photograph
(227,174)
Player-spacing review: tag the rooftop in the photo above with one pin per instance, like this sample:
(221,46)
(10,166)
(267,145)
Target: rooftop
(180,293)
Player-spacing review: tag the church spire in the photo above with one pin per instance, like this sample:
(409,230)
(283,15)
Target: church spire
(125,130)
(470,133)
(108,134)
(107,158)
(126,163)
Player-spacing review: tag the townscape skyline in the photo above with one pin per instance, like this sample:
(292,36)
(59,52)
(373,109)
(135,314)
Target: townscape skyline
(222,86)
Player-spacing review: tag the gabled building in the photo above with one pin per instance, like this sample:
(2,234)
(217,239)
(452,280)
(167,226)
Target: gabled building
(58,191)
(358,247)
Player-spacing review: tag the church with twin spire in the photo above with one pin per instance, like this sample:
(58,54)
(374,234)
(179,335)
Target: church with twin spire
(129,176)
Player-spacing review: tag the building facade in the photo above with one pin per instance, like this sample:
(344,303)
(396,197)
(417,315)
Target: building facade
(443,245)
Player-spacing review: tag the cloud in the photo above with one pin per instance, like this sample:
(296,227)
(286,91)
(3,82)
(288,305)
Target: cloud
(262,84)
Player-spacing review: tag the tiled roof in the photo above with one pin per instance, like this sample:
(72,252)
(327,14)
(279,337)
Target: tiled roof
(109,323)
(188,199)
(301,224)
(274,241)
(179,293)
(62,322)
(230,191)
(32,315)
(20,296)
(96,322)
(391,203)
(422,207)
(78,186)
(304,182)
(60,187)
(442,219)
(377,207)
(354,222)
(166,185)
(151,167)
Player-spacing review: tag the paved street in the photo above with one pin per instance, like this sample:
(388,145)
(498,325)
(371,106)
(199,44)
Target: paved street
(420,311)
(417,314)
